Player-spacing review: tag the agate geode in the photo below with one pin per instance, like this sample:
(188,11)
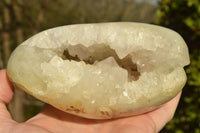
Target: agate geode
(101,71)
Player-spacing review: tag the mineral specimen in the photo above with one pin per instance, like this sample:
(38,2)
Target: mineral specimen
(102,71)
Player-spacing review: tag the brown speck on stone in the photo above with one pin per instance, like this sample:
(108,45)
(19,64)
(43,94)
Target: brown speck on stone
(72,108)
(102,112)
(106,113)
(77,110)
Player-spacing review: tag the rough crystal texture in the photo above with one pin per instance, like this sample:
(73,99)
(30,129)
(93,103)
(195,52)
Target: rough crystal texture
(101,71)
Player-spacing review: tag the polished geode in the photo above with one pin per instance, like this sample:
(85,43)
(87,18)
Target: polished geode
(102,71)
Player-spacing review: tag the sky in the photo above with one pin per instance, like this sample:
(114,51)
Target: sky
(154,2)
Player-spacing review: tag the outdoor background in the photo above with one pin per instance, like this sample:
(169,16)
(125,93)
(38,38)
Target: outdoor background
(21,19)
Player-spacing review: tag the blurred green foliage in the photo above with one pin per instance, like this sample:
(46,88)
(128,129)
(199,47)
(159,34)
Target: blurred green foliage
(184,17)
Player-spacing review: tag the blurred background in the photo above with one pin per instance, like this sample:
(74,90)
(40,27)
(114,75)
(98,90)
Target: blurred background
(21,19)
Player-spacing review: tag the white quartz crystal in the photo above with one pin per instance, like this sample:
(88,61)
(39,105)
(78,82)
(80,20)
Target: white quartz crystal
(102,71)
